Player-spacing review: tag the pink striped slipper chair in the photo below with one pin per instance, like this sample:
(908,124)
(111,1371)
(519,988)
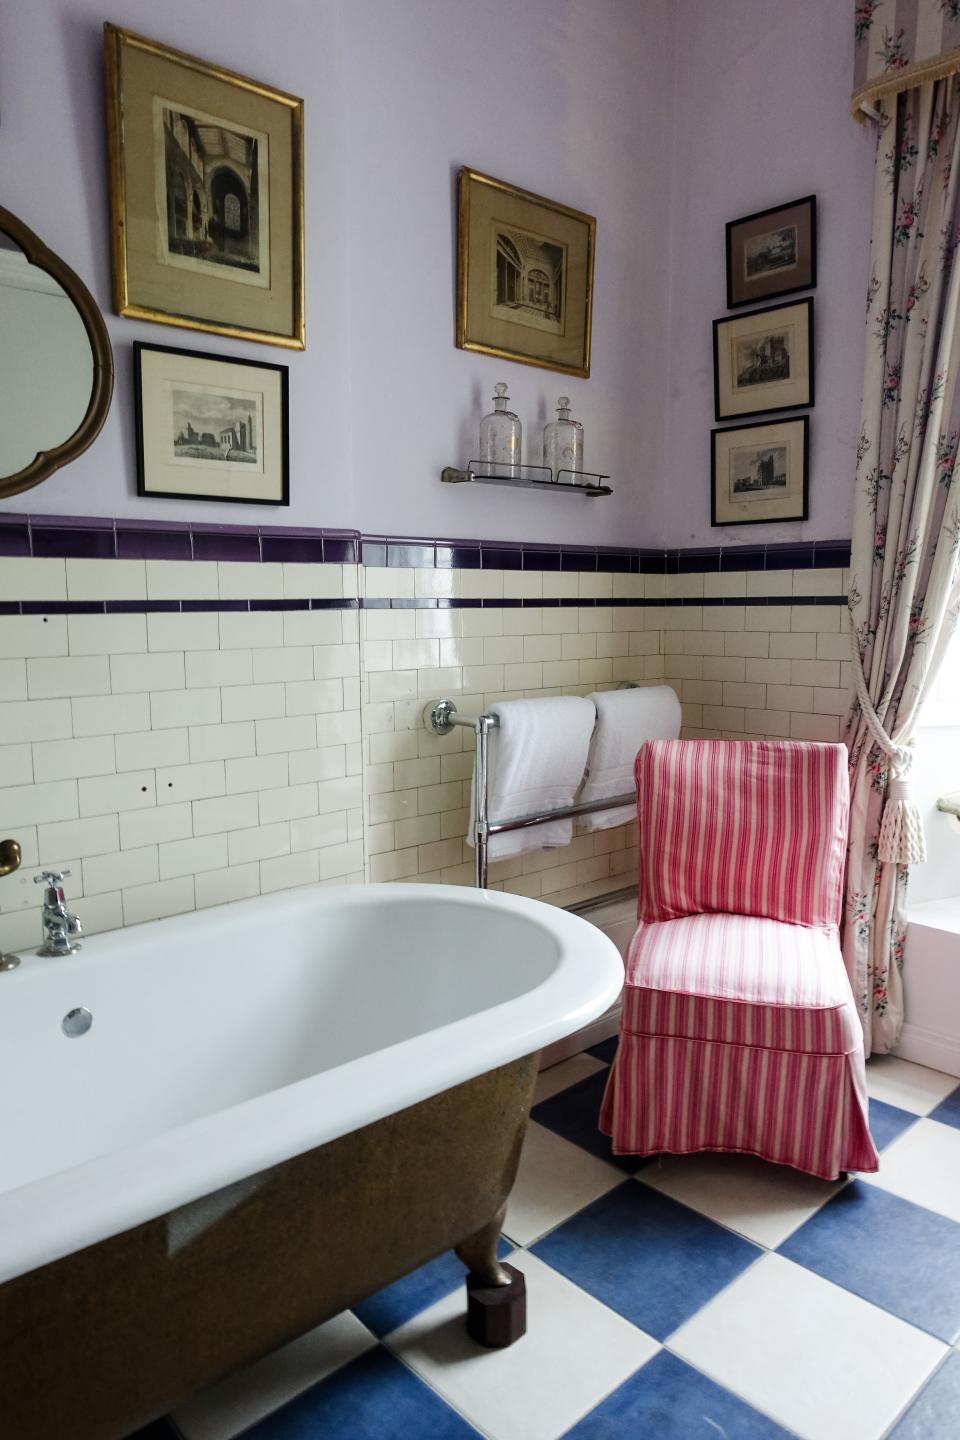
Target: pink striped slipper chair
(739,1029)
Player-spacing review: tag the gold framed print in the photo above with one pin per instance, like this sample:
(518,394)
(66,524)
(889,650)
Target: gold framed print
(206,190)
(524,276)
(763,361)
(759,472)
(210,427)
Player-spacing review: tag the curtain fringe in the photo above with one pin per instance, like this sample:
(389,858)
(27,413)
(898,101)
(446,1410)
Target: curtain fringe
(894,82)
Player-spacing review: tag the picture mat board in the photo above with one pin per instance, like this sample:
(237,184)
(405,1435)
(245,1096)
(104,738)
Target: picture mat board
(163,375)
(730,447)
(485,207)
(145,286)
(733,399)
(743,289)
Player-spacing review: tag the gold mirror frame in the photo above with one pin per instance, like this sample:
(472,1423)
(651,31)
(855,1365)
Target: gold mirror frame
(45,462)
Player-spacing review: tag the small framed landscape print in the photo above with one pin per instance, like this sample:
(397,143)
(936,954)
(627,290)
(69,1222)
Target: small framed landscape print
(206,189)
(759,472)
(210,427)
(771,253)
(763,361)
(524,276)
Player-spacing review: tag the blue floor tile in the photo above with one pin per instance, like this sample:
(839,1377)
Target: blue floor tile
(935,1414)
(374,1398)
(406,1297)
(948,1111)
(893,1253)
(574,1113)
(649,1258)
(887,1122)
(667,1400)
(606,1049)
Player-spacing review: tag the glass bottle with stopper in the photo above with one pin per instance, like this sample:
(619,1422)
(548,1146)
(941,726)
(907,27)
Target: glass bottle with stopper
(563,441)
(500,435)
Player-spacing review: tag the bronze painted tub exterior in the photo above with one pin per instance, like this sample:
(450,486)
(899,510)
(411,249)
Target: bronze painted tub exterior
(116,1335)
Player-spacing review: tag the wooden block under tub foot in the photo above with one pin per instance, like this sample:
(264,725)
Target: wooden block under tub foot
(497,1314)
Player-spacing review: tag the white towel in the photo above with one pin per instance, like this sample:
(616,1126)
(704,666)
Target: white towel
(536,763)
(625,719)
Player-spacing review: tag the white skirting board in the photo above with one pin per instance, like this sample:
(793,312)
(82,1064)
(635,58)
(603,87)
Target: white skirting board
(928,1047)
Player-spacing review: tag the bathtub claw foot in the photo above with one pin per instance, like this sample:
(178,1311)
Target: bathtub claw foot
(497,1314)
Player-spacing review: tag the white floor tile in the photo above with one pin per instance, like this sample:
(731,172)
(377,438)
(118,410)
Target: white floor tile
(567,1073)
(223,1411)
(923,1165)
(815,1358)
(911,1087)
(574,1353)
(555,1180)
(764,1202)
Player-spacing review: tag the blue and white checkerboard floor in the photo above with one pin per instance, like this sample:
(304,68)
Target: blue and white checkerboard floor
(683,1299)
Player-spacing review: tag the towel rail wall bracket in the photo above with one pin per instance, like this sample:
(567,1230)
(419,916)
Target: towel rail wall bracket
(440,717)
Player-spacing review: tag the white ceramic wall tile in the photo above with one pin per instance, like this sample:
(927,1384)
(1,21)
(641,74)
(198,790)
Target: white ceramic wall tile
(191,857)
(309,582)
(152,827)
(68,676)
(225,812)
(106,634)
(115,872)
(222,742)
(13,680)
(157,670)
(260,772)
(35,720)
(222,887)
(109,794)
(218,667)
(71,759)
(154,902)
(36,635)
(182,580)
(28,579)
(149,749)
(110,715)
(39,804)
(196,631)
(191,782)
(106,579)
(98,836)
(16,764)
(246,580)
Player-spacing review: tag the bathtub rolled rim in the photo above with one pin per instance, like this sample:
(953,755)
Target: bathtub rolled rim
(69,1210)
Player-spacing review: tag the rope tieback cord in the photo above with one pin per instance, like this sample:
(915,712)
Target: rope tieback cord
(902,841)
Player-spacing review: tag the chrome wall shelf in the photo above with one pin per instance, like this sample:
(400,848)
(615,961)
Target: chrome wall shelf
(530,477)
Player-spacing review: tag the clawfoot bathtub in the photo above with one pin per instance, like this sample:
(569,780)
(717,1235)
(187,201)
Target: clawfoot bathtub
(278,1107)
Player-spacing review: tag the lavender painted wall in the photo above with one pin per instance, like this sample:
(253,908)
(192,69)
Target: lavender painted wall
(762,115)
(576,105)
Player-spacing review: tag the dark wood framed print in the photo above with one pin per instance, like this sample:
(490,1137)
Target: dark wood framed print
(210,427)
(524,276)
(772,252)
(763,361)
(206,191)
(759,473)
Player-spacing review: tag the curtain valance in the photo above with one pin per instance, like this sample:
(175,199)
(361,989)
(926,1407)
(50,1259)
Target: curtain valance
(902,43)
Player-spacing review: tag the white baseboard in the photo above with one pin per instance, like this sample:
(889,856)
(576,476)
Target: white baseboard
(602,1029)
(930,1047)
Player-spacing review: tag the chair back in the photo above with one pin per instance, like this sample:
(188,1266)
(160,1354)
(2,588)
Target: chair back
(745,827)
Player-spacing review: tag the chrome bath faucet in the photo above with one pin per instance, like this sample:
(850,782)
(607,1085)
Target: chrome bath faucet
(60,925)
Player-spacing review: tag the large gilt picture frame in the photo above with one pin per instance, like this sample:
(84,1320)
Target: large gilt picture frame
(524,276)
(206,190)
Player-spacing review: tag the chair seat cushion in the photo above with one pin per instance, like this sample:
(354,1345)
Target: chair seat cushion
(741,980)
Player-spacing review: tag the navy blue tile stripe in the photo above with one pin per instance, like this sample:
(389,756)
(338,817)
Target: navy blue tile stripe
(92,537)
(173,607)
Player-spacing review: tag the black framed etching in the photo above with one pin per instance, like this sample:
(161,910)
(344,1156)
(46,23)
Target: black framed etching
(211,427)
(763,361)
(759,472)
(772,252)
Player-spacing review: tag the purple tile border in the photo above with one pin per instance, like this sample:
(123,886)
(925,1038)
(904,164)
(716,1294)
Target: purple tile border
(66,536)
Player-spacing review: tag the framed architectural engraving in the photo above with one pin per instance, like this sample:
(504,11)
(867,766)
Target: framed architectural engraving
(772,252)
(206,189)
(763,361)
(759,473)
(210,427)
(524,276)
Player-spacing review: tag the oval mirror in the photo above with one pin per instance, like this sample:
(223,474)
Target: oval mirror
(56,364)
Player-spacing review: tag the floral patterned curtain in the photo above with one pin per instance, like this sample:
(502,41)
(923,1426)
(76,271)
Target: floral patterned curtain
(905,586)
(902,43)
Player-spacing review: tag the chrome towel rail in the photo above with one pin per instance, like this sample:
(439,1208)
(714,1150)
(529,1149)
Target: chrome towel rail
(440,717)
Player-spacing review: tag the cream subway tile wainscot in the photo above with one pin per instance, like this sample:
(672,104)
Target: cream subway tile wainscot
(183,760)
